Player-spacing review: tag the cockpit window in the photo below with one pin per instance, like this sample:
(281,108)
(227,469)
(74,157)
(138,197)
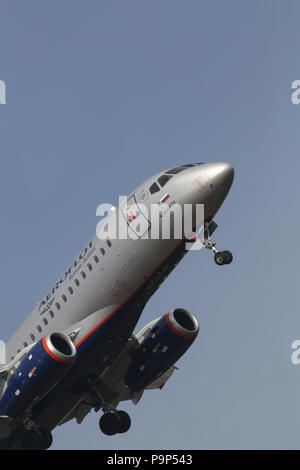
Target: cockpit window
(164,179)
(174,171)
(178,169)
(154,188)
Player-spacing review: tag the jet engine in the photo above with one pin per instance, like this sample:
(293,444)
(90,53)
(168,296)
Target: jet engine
(43,367)
(162,343)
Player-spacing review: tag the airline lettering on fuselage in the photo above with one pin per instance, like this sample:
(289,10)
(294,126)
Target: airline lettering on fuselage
(82,258)
(47,306)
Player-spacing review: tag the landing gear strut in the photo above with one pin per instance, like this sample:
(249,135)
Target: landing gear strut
(114,422)
(220,257)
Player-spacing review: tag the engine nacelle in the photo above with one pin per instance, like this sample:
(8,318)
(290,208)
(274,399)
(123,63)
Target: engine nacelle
(162,345)
(41,369)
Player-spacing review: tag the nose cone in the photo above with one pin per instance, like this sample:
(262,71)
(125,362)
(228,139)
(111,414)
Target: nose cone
(221,177)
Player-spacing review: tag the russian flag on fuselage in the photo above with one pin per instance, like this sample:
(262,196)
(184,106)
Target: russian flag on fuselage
(165,198)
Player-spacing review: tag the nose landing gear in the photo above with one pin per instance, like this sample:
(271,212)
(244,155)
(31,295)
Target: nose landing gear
(220,257)
(223,257)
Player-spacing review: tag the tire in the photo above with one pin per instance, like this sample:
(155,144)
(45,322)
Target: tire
(45,439)
(40,439)
(220,258)
(228,256)
(109,424)
(124,422)
(30,440)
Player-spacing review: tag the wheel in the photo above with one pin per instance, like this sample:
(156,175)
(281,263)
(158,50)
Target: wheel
(45,439)
(109,423)
(29,439)
(220,258)
(37,439)
(124,421)
(228,256)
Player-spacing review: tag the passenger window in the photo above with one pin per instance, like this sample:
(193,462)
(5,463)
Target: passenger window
(32,337)
(64,298)
(70,290)
(164,179)
(45,321)
(108,242)
(77,282)
(57,305)
(154,188)
(102,251)
(90,267)
(83,274)
(51,313)
(25,344)
(39,328)
(96,259)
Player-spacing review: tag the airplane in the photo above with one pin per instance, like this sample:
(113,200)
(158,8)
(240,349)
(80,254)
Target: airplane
(77,352)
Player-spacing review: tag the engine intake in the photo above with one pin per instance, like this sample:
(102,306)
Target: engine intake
(41,369)
(59,347)
(183,323)
(162,343)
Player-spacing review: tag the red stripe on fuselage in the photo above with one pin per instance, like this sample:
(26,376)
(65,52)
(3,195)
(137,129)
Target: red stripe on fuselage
(131,295)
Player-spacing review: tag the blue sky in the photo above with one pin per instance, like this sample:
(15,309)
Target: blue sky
(102,94)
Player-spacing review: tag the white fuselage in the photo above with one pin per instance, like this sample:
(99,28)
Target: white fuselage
(106,273)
